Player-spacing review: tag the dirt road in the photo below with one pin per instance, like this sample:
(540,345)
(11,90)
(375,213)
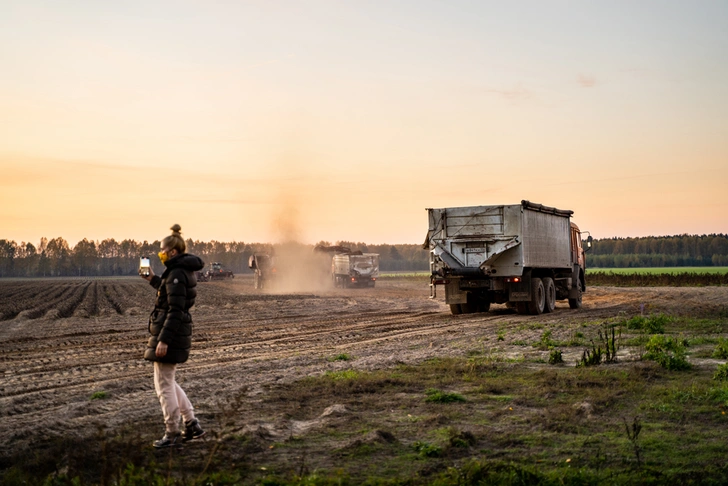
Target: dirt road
(61,341)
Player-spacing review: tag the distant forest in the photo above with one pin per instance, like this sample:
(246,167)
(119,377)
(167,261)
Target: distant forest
(56,258)
(109,257)
(660,251)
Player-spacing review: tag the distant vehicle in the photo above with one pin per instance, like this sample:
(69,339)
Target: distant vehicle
(351,268)
(524,255)
(265,270)
(355,269)
(215,272)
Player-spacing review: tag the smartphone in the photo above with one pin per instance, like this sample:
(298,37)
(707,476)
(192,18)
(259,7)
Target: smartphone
(144,266)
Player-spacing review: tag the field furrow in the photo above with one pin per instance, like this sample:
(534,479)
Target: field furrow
(94,340)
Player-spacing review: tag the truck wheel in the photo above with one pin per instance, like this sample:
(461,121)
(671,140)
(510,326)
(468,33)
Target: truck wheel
(455,309)
(550,288)
(538,297)
(576,303)
(472,305)
(483,304)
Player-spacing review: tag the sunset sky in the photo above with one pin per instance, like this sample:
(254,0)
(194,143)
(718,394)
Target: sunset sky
(343,120)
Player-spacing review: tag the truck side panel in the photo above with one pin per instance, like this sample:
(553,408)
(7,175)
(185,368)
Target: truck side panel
(546,240)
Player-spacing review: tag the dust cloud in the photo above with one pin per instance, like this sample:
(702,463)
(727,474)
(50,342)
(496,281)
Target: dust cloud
(298,267)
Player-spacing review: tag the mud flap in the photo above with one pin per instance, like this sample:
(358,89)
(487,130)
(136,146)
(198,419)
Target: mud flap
(521,291)
(453,294)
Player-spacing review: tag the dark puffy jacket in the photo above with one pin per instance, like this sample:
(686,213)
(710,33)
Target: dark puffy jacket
(170,321)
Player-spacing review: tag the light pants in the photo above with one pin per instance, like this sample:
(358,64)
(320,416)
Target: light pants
(172,397)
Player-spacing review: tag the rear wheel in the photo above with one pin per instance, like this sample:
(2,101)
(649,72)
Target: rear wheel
(471,306)
(575,303)
(483,303)
(550,289)
(455,309)
(538,297)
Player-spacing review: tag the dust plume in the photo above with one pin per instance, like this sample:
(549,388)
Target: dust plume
(297,267)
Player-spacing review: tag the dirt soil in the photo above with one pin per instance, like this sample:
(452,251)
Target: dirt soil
(62,340)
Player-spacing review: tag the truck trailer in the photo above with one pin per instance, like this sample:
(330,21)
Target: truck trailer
(525,255)
(264,268)
(355,269)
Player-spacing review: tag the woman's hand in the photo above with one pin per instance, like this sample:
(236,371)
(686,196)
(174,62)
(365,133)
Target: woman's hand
(148,278)
(161,350)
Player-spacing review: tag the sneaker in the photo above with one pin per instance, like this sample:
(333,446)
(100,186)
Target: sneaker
(169,440)
(192,430)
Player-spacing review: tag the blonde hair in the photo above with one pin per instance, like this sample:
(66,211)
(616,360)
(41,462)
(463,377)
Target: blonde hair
(175,240)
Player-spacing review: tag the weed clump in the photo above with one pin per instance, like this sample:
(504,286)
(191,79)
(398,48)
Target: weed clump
(99,395)
(545,342)
(425,449)
(555,357)
(439,396)
(721,350)
(721,374)
(652,324)
(606,348)
(668,352)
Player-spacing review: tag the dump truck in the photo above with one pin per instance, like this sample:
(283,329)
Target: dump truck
(265,270)
(355,269)
(525,255)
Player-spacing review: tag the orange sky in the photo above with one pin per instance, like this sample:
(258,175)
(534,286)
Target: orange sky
(322,121)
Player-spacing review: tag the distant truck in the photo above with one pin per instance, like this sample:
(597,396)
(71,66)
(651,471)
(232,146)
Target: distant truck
(264,268)
(355,269)
(525,255)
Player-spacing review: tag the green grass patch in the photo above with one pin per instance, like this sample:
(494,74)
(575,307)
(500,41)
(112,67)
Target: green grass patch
(659,270)
(439,396)
(98,395)
(424,274)
(342,375)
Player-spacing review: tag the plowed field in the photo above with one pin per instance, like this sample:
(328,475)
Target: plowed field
(62,340)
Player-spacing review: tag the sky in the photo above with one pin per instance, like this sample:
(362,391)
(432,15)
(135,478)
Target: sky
(344,120)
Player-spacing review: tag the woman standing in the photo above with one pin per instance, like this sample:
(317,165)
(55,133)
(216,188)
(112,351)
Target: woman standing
(170,326)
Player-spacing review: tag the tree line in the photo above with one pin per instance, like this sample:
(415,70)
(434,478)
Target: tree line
(660,251)
(56,258)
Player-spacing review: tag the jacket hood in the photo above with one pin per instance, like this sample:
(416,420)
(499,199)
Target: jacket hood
(188,262)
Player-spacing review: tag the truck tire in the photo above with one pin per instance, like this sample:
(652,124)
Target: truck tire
(576,303)
(455,309)
(483,304)
(538,297)
(550,289)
